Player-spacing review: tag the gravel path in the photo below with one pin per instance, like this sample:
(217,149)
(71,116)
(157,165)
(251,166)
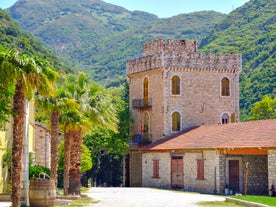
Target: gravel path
(147,197)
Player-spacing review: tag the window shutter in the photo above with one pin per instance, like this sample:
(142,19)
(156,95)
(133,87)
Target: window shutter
(200,169)
(155,169)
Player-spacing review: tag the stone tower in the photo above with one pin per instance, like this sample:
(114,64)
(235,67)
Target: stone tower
(173,87)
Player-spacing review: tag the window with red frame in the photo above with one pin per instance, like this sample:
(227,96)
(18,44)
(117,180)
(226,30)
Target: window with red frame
(200,169)
(155,168)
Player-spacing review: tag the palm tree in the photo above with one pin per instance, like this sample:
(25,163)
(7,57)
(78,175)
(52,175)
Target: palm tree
(28,75)
(97,109)
(54,105)
(69,120)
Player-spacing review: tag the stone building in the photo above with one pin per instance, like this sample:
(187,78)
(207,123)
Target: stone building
(42,146)
(173,90)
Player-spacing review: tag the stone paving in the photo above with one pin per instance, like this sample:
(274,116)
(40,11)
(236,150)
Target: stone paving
(143,197)
(147,197)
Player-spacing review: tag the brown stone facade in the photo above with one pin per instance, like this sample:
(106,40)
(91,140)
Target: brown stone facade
(199,101)
(42,146)
(216,171)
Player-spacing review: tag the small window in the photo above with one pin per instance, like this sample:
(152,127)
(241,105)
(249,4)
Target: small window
(200,169)
(155,170)
(146,92)
(225,87)
(175,121)
(175,85)
(225,119)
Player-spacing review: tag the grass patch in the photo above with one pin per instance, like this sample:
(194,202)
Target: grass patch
(83,201)
(266,200)
(218,204)
(75,202)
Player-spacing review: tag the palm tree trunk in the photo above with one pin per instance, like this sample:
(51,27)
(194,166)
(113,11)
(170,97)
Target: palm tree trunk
(75,159)
(17,144)
(54,144)
(67,142)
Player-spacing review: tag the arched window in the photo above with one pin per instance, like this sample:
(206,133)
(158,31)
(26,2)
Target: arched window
(175,121)
(146,92)
(225,87)
(175,85)
(225,119)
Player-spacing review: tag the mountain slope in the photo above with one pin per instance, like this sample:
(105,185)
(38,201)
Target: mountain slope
(98,37)
(13,37)
(251,31)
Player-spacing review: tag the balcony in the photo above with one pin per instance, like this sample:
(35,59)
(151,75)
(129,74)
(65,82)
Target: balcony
(143,103)
(141,139)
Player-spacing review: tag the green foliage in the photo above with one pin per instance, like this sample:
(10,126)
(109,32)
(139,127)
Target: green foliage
(13,37)
(251,31)
(264,109)
(86,161)
(98,37)
(35,170)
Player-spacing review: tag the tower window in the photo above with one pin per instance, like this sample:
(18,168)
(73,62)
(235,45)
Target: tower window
(175,85)
(225,87)
(175,121)
(146,92)
(225,119)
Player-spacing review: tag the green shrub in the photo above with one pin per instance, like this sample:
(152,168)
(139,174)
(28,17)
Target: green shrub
(36,169)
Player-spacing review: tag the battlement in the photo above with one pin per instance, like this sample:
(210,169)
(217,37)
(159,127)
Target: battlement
(181,54)
(156,46)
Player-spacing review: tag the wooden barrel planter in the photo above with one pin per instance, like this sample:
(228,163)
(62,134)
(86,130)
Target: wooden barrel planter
(42,193)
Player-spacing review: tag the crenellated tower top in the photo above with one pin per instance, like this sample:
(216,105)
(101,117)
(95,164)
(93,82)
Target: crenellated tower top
(160,45)
(181,54)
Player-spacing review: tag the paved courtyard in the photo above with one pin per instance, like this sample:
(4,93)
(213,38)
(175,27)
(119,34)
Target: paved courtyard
(147,197)
(144,197)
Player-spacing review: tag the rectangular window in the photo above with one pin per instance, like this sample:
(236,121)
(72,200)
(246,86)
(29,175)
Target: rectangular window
(155,164)
(200,169)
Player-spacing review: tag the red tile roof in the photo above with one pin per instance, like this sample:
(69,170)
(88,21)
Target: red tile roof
(253,134)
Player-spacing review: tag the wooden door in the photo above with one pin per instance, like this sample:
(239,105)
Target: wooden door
(234,177)
(177,174)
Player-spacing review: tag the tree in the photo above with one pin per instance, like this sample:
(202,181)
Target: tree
(54,105)
(108,147)
(96,109)
(264,109)
(28,75)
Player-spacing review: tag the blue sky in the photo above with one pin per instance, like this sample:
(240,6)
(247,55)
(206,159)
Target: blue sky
(167,8)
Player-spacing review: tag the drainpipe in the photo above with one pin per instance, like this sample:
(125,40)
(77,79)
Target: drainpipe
(25,179)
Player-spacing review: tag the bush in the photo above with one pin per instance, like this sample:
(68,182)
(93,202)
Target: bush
(36,169)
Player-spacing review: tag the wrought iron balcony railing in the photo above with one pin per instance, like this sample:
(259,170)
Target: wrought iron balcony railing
(141,139)
(142,103)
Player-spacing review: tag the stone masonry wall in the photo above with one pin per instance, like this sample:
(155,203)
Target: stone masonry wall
(42,146)
(257,172)
(271,168)
(135,169)
(164,170)
(210,184)
(200,101)
(158,54)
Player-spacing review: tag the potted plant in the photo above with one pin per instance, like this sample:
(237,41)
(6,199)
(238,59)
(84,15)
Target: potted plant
(226,189)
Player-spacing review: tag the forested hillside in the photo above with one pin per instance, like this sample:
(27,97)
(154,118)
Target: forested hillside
(99,37)
(251,31)
(13,36)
